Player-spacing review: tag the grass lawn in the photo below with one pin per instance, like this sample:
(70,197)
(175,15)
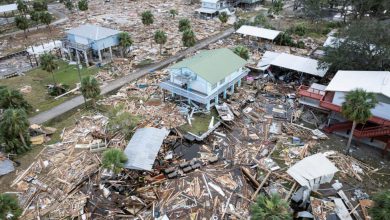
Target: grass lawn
(39,79)
(200,123)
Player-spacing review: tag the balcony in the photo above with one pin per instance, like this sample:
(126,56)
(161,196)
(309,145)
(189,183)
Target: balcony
(310,92)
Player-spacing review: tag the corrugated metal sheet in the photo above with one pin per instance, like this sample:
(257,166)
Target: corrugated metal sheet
(93,32)
(258,32)
(6,166)
(143,148)
(300,64)
(312,171)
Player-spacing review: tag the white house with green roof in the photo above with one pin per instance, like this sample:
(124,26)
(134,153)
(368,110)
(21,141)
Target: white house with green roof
(206,76)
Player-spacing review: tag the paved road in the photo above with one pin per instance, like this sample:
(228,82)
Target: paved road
(116,84)
(52,9)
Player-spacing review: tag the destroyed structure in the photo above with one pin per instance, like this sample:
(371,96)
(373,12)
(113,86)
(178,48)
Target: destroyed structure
(205,76)
(331,97)
(211,8)
(87,42)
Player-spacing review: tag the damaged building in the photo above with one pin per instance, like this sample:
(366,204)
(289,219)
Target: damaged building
(205,76)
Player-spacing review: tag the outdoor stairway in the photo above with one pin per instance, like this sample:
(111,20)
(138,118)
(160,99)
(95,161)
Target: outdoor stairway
(338,127)
(360,132)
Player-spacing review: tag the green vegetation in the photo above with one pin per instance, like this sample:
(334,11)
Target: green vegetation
(114,160)
(46,18)
(277,7)
(22,24)
(173,13)
(121,121)
(14,131)
(48,64)
(9,207)
(242,51)
(381,209)
(223,17)
(200,123)
(188,38)
(357,108)
(38,79)
(184,24)
(40,5)
(274,208)
(365,46)
(125,42)
(10,98)
(147,18)
(90,89)
(240,23)
(160,37)
(83,5)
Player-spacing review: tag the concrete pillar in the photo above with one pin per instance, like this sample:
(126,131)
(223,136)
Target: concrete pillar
(208,106)
(239,83)
(232,89)
(100,56)
(189,101)
(78,57)
(111,53)
(224,94)
(86,58)
(216,100)
(70,54)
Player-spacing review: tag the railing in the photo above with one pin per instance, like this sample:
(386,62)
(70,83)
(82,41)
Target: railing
(310,92)
(67,43)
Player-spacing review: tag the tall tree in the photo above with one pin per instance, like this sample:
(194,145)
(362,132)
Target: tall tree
(277,7)
(125,42)
(22,24)
(14,131)
(147,20)
(312,9)
(363,45)
(160,37)
(9,207)
(223,17)
(184,24)
(36,17)
(274,208)
(40,5)
(10,98)
(90,89)
(357,108)
(47,61)
(173,13)
(114,160)
(83,5)
(69,5)
(242,51)
(22,7)
(381,209)
(188,38)
(46,18)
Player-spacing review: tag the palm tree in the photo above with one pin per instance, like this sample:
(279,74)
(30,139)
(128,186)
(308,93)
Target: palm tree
(147,19)
(273,208)
(83,5)
(46,18)
(114,159)
(22,24)
(9,207)
(160,37)
(14,131)
(69,5)
(10,98)
(125,42)
(47,61)
(184,24)
(90,89)
(188,38)
(381,209)
(223,17)
(22,7)
(357,108)
(173,13)
(242,52)
(36,17)
(40,5)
